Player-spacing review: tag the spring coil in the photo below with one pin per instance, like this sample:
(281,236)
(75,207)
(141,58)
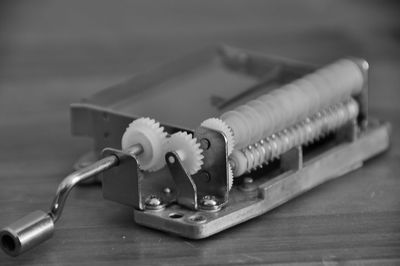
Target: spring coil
(303,133)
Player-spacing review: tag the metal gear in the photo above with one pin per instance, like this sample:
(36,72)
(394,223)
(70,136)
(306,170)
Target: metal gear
(151,136)
(188,150)
(219,125)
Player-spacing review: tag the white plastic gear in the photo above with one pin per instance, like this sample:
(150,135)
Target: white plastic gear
(188,150)
(230,177)
(220,125)
(151,136)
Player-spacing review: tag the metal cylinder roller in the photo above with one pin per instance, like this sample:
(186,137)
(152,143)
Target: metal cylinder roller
(281,108)
(304,132)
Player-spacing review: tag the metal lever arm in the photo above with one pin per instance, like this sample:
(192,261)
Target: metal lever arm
(75,178)
(38,226)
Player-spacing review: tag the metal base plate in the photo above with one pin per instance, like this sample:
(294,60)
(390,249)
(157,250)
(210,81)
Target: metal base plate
(268,193)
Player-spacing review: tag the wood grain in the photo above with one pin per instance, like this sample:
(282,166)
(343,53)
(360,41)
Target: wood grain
(53,53)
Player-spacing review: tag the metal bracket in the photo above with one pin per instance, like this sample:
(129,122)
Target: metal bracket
(186,194)
(292,159)
(128,185)
(121,184)
(349,132)
(212,180)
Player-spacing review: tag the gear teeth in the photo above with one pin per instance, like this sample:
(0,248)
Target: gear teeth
(152,137)
(188,149)
(230,177)
(219,125)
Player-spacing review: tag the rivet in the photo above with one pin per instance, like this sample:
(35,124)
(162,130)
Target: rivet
(204,176)
(171,159)
(204,144)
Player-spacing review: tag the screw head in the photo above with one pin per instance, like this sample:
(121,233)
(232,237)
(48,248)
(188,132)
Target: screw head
(153,202)
(209,201)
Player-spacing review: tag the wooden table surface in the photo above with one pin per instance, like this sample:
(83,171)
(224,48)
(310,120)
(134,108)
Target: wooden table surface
(53,53)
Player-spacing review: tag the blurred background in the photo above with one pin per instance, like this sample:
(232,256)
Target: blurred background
(83,46)
(53,53)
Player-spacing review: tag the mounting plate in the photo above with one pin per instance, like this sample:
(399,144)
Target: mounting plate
(268,193)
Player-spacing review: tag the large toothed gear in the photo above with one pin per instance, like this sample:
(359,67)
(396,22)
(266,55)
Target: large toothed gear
(188,150)
(219,125)
(151,136)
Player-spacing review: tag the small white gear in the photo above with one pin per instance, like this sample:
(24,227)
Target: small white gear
(219,125)
(151,136)
(230,177)
(188,150)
